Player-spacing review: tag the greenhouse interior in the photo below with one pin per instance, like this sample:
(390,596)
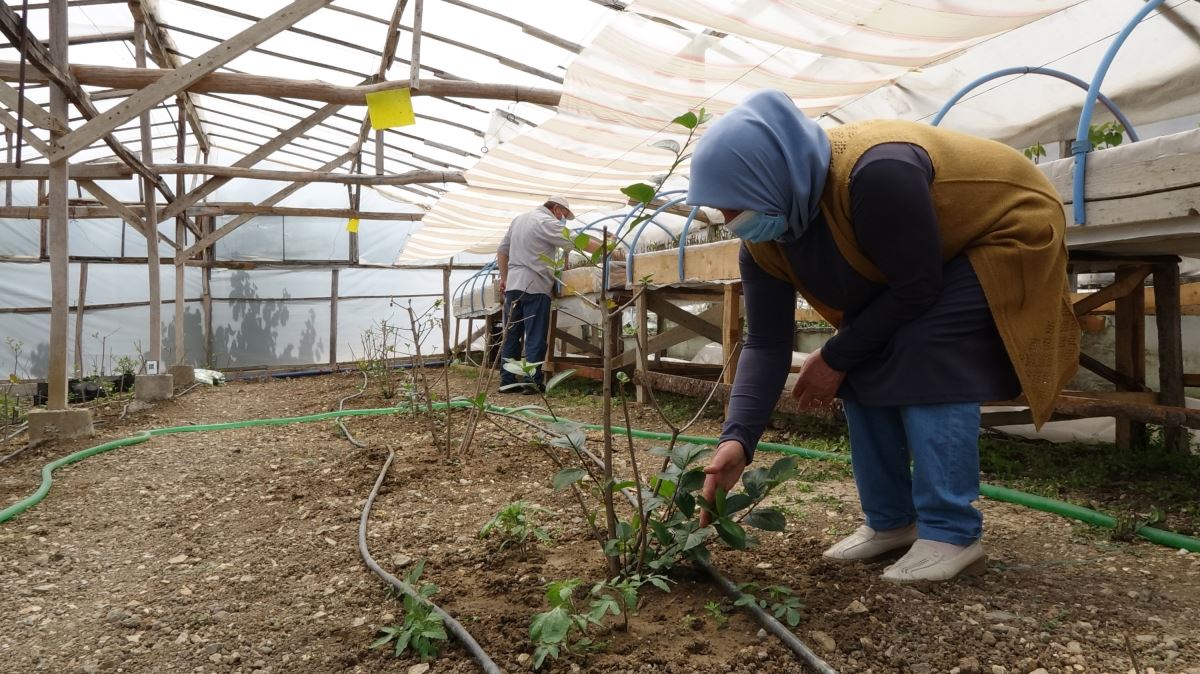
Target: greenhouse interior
(600,336)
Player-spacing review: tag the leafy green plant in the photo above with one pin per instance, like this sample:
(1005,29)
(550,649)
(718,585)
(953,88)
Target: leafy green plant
(127,365)
(717,612)
(779,601)
(422,629)
(563,628)
(515,523)
(1106,135)
(1034,152)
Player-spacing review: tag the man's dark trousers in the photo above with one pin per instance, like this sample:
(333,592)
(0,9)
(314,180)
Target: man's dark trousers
(527,316)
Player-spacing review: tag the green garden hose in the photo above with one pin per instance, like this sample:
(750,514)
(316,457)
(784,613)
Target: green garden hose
(1053,506)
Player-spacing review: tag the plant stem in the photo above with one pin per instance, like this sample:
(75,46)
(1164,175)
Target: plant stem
(643,526)
(610,513)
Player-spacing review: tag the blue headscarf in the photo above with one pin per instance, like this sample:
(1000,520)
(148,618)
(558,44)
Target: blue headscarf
(763,155)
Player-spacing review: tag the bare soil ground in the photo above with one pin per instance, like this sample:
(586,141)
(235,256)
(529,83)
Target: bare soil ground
(235,551)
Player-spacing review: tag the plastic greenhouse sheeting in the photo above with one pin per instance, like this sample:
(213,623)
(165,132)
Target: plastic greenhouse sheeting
(840,62)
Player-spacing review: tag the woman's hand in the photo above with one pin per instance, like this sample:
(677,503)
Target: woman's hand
(818,383)
(723,471)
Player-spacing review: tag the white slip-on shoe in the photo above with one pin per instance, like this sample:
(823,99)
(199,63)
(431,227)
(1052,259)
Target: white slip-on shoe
(866,543)
(925,562)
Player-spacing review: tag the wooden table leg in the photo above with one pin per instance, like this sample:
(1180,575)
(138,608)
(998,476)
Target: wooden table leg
(1167,314)
(1131,356)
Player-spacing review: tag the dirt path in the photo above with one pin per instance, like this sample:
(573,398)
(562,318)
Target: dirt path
(234,551)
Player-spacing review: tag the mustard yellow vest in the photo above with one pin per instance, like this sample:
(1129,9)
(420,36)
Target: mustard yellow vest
(993,205)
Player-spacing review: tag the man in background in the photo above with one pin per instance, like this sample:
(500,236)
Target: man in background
(527,282)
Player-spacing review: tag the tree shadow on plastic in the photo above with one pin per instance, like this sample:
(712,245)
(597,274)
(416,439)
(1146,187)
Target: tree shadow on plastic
(252,338)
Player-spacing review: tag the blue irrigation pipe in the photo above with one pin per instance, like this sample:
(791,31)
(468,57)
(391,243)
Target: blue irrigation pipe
(1035,70)
(683,239)
(1081,146)
(638,234)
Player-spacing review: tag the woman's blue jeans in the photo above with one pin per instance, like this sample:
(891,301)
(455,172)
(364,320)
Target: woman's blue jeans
(942,442)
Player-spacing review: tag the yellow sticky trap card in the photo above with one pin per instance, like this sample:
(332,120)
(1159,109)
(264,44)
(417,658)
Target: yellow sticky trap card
(352,226)
(390,108)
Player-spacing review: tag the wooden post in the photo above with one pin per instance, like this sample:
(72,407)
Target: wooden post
(446,313)
(83,269)
(467,343)
(43,236)
(206,301)
(731,329)
(1167,314)
(180,238)
(414,77)
(333,318)
(152,259)
(641,311)
(8,157)
(1131,355)
(56,225)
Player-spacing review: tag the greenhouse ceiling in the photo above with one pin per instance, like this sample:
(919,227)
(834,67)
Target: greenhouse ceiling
(517,100)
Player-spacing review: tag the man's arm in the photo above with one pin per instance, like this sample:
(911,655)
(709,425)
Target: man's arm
(502,263)
(502,258)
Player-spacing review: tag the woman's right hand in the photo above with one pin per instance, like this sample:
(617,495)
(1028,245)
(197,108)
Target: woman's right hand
(723,471)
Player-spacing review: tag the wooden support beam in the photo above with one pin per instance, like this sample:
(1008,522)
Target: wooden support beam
(414,76)
(124,212)
(1127,282)
(1191,380)
(671,337)
(1124,381)
(34,113)
(1170,350)
(79,304)
(446,314)
(269,202)
(1189,296)
(27,135)
(57,226)
(641,335)
(279,87)
(177,80)
(700,389)
(262,152)
(165,54)
(665,309)
(379,178)
(1131,350)
(106,171)
(577,342)
(525,28)
(153,263)
(333,316)
(59,75)
(731,329)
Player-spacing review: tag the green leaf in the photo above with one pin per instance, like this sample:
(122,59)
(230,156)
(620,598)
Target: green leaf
(567,477)
(557,379)
(624,531)
(719,505)
(551,627)
(755,483)
(514,367)
(732,533)
(622,377)
(625,484)
(697,537)
(581,241)
(737,503)
(767,519)
(517,386)
(668,145)
(687,120)
(566,233)
(576,440)
(660,451)
(782,469)
(691,480)
(639,192)
(390,633)
(687,504)
(661,533)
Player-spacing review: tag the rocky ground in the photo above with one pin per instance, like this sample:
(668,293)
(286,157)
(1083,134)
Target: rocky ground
(235,551)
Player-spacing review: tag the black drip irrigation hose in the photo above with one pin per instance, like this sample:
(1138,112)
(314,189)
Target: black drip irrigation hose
(769,623)
(453,626)
(341,422)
